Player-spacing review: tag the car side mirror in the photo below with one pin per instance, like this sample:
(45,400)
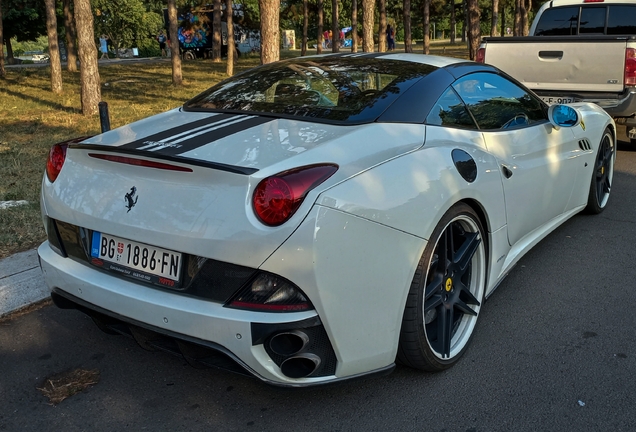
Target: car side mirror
(563,116)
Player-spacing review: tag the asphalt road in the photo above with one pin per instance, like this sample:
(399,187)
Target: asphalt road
(553,351)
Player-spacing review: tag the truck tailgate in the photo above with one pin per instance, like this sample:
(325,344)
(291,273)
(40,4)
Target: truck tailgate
(561,64)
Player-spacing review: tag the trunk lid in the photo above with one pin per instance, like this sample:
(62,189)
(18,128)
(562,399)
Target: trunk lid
(208,211)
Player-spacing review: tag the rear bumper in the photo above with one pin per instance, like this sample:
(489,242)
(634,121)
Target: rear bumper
(238,336)
(616,105)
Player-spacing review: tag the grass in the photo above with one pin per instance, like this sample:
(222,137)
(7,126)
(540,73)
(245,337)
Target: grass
(64,385)
(32,119)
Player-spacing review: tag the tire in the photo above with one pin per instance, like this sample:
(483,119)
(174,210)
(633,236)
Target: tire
(189,55)
(445,297)
(602,175)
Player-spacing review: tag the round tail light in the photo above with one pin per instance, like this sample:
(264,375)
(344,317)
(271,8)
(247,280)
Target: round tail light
(57,156)
(277,198)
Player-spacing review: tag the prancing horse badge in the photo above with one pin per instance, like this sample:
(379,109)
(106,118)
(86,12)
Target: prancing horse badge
(131,199)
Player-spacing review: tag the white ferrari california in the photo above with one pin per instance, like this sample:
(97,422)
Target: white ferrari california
(321,218)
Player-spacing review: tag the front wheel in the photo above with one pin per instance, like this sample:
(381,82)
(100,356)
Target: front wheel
(603,174)
(446,293)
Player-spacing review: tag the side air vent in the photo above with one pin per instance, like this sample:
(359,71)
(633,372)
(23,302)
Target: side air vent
(585,145)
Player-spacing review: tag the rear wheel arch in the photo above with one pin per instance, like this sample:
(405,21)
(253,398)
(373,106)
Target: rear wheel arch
(485,223)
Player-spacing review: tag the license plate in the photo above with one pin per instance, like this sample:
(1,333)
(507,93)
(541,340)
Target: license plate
(550,100)
(136,260)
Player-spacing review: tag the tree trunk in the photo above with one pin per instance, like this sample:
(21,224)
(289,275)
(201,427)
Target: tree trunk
(54,51)
(367,25)
(303,48)
(354,25)
(426,16)
(230,37)
(465,26)
(216,32)
(495,18)
(89,72)
(3,72)
(453,22)
(71,36)
(525,27)
(9,51)
(474,32)
(408,44)
(270,30)
(321,39)
(517,23)
(335,29)
(175,54)
(503,19)
(382,42)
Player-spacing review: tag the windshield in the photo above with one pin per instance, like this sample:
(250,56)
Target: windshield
(338,89)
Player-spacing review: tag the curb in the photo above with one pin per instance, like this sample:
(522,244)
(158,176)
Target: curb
(21,282)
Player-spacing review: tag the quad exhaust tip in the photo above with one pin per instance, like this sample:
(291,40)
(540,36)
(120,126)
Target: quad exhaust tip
(300,366)
(289,343)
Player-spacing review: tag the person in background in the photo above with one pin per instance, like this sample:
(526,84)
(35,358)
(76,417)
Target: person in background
(161,38)
(390,38)
(103,46)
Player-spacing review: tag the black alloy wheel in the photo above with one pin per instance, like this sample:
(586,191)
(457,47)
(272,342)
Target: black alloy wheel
(603,174)
(446,293)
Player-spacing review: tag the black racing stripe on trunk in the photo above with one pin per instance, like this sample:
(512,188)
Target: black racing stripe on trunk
(177,130)
(209,137)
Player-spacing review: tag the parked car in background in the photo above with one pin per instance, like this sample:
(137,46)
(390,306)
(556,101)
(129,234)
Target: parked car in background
(316,219)
(40,58)
(578,50)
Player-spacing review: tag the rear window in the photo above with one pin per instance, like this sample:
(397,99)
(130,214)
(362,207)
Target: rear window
(333,88)
(622,20)
(594,19)
(561,21)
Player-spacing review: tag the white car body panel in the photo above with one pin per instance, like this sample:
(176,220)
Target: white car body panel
(364,337)
(530,164)
(172,312)
(395,190)
(277,144)
(205,197)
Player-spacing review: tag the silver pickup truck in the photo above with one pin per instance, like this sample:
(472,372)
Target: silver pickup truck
(578,50)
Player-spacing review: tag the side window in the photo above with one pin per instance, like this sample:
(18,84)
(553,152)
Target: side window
(450,111)
(497,103)
(592,20)
(561,21)
(621,20)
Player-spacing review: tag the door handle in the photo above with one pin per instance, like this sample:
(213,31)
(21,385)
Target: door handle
(507,172)
(551,55)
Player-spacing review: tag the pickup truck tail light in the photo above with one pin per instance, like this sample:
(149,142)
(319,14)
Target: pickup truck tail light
(630,67)
(481,55)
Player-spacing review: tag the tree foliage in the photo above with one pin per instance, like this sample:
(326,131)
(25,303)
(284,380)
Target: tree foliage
(125,22)
(24,20)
